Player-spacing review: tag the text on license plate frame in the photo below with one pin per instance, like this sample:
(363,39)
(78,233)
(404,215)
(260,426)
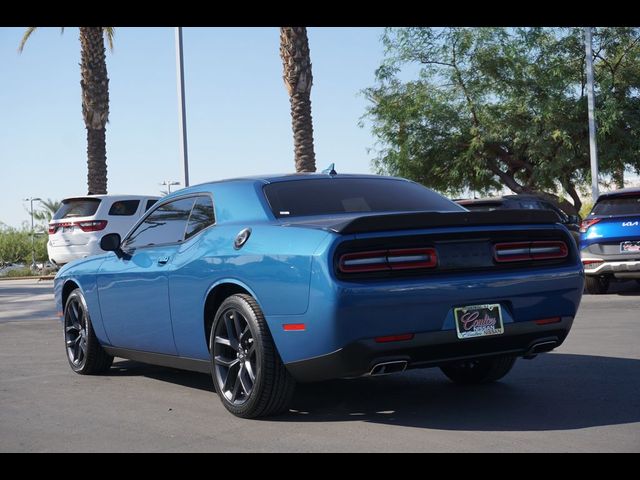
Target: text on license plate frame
(470,325)
(630,243)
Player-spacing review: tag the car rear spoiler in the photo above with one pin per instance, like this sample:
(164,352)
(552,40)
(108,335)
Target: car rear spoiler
(419,220)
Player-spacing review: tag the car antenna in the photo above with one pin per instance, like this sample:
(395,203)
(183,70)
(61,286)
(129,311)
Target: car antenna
(330,170)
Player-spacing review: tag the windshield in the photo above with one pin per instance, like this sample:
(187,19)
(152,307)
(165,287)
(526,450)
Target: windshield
(325,196)
(627,205)
(77,207)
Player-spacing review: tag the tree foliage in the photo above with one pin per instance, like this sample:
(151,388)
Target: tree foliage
(494,107)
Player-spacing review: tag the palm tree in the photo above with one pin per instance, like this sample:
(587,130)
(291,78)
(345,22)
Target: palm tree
(95,100)
(49,210)
(294,50)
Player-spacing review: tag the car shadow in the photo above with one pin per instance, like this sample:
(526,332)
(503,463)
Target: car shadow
(556,391)
(625,288)
(129,368)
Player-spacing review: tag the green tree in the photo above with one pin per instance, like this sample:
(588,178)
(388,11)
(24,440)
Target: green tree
(45,214)
(494,107)
(95,100)
(296,62)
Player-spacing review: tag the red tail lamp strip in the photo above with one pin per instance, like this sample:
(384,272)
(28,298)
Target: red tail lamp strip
(88,226)
(522,251)
(385,260)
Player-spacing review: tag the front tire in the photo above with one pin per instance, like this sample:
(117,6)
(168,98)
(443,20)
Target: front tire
(248,374)
(596,285)
(479,371)
(84,353)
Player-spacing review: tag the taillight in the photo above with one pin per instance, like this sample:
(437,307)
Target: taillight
(385,260)
(92,226)
(584,226)
(522,251)
(53,228)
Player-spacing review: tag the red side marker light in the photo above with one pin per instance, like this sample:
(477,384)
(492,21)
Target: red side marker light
(294,327)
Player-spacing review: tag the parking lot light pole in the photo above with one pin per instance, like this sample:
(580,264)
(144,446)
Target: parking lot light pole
(33,237)
(181,105)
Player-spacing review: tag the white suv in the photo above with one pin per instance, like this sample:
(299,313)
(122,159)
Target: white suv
(80,222)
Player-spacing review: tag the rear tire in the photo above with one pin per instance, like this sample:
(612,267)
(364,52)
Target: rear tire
(84,353)
(248,374)
(479,371)
(596,285)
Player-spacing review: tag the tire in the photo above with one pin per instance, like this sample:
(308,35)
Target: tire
(596,285)
(84,353)
(479,371)
(247,371)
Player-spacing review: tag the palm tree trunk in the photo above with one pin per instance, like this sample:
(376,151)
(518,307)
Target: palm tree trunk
(296,61)
(95,105)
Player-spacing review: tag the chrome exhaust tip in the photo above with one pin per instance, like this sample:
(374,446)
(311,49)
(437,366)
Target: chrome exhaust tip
(387,368)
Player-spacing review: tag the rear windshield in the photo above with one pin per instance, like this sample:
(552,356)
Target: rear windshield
(77,207)
(627,205)
(347,195)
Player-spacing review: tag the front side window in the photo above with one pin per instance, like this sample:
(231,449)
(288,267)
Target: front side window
(124,208)
(201,216)
(164,225)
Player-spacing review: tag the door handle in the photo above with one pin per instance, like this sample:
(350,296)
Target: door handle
(163,260)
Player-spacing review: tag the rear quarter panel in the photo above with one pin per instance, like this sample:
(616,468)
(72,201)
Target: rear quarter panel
(274,266)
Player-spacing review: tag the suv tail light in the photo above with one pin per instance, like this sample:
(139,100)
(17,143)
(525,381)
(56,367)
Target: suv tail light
(523,251)
(53,228)
(584,226)
(385,260)
(92,226)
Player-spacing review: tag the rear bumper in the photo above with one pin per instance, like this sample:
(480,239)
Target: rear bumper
(621,269)
(63,254)
(430,349)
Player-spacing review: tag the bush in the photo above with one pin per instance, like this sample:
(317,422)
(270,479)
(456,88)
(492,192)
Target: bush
(15,246)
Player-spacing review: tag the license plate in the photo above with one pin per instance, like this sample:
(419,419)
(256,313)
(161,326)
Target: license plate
(478,320)
(630,246)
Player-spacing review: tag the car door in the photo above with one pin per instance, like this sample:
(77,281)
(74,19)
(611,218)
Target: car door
(134,289)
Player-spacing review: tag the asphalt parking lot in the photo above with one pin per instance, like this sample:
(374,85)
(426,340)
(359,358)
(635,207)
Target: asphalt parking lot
(583,397)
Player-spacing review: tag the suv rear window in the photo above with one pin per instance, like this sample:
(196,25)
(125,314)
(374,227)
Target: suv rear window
(347,195)
(124,207)
(627,205)
(77,207)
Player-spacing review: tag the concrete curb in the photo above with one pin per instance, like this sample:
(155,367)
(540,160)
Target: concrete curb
(33,277)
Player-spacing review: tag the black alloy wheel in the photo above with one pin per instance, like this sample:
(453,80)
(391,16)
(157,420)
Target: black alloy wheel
(84,353)
(248,374)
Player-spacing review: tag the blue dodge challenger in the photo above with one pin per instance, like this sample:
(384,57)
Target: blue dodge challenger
(266,281)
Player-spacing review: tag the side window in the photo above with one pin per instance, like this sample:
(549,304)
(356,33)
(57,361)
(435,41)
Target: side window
(165,225)
(124,207)
(150,203)
(201,216)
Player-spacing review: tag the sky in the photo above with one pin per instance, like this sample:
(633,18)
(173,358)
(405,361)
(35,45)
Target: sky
(237,108)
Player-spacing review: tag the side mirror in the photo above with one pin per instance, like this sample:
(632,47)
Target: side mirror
(110,242)
(574,219)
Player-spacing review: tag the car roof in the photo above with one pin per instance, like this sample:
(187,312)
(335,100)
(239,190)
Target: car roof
(287,177)
(113,197)
(622,191)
